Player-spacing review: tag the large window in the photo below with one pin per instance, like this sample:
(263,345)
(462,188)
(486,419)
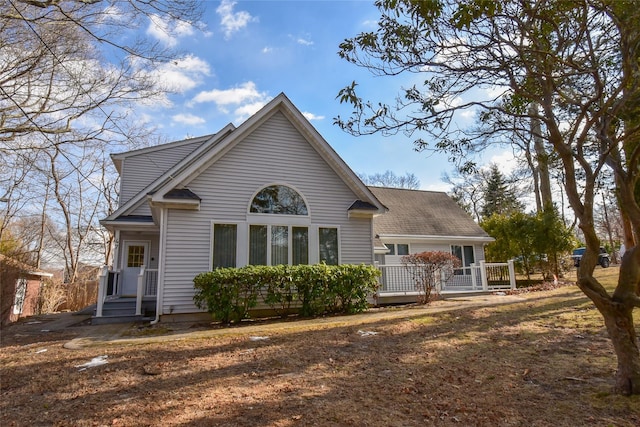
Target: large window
(277,230)
(328,245)
(278,244)
(224,245)
(278,199)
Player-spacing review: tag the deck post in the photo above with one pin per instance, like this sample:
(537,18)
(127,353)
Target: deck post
(483,276)
(474,275)
(140,292)
(102,289)
(512,274)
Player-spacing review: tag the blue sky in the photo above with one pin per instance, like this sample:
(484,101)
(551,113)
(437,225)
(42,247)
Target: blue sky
(247,52)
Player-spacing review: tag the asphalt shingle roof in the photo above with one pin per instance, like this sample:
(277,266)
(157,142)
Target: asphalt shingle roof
(422,213)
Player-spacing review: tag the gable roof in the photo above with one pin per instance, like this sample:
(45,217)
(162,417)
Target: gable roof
(178,177)
(424,214)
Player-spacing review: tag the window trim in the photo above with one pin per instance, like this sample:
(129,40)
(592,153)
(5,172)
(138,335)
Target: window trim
(393,249)
(21,287)
(289,241)
(466,269)
(239,227)
(317,242)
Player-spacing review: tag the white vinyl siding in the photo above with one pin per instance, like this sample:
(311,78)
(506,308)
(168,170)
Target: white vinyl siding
(426,246)
(274,153)
(140,170)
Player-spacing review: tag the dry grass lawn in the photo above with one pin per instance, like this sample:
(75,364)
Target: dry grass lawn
(544,361)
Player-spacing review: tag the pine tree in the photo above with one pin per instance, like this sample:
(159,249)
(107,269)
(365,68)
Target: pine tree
(499,195)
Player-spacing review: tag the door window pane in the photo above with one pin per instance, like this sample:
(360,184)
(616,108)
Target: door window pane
(224,245)
(135,256)
(300,243)
(279,244)
(328,242)
(258,245)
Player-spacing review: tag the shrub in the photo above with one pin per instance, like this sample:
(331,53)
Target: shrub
(278,288)
(427,268)
(229,293)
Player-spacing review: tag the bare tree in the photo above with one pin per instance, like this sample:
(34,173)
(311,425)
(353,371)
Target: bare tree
(65,60)
(390,179)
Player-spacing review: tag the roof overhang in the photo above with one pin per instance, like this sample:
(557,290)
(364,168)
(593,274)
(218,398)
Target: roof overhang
(136,223)
(181,198)
(361,209)
(39,273)
(475,239)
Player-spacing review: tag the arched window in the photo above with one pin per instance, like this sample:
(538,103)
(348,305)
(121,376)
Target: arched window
(278,199)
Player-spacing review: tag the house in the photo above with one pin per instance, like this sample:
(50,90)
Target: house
(270,191)
(419,221)
(21,285)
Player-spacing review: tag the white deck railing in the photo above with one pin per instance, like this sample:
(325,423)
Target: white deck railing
(399,279)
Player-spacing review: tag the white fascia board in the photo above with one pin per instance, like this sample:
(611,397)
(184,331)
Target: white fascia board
(128,225)
(478,239)
(40,273)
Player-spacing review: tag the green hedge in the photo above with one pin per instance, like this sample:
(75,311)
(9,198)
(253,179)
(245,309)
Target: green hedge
(229,293)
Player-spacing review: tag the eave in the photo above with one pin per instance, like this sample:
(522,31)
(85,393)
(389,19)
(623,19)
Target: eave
(478,239)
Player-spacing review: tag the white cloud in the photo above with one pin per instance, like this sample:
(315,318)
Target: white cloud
(246,92)
(248,110)
(505,160)
(246,98)
(311,116)
(188,119)
(304,42)
(267,49)
(183,74)
(168,31)
(468,113)
(231,21)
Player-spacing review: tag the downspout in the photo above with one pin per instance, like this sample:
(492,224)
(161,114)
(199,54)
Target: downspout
(161,260)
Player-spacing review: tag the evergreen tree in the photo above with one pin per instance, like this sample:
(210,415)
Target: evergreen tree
(499,195)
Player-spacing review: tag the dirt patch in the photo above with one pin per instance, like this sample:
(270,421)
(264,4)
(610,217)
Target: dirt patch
(543,361)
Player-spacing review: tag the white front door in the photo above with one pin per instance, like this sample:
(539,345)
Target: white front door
(134,256)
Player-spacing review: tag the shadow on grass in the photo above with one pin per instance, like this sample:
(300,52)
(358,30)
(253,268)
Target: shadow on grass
(516,364)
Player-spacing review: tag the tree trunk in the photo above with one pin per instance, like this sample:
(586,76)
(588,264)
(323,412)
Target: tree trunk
(542,158)
(617,311)
(618,319)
